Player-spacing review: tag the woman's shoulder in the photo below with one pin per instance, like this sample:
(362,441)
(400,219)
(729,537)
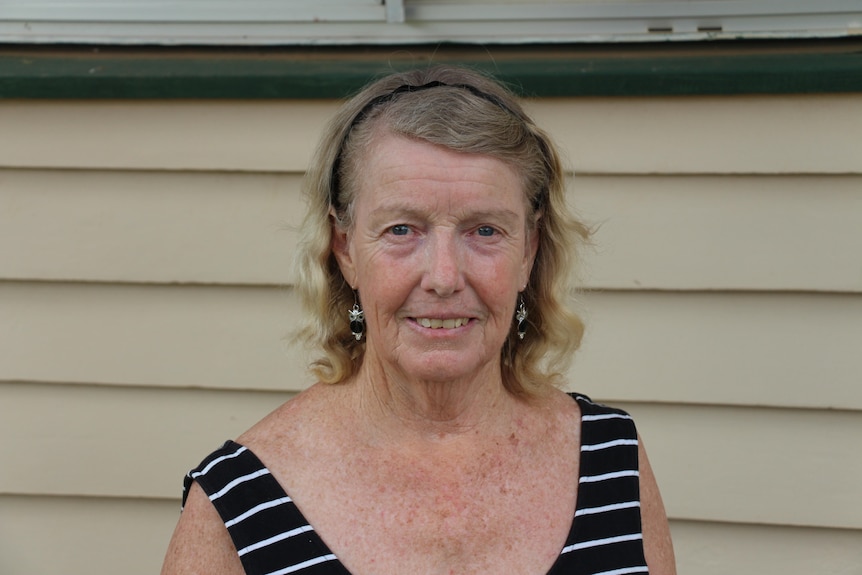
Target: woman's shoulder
(583,406)
(282,439)
(288,420)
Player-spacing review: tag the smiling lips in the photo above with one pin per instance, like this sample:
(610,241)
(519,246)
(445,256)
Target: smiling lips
(435,323)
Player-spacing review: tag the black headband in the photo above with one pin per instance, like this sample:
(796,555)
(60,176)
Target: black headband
(384,98)
(407,88)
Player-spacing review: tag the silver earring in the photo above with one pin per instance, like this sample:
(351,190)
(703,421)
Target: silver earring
(521,316)
(357,320)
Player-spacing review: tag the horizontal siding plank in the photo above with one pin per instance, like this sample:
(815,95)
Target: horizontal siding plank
(709,135)
(196,135)
(723,233)
(792,350)
(755,465)
(118,442)
(722,548)
(149,335)
(738,233)
(746,134)
(163,227)
(80,536)
(742,349)
(758,465)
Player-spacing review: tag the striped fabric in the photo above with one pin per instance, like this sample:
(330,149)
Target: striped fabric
(273,538)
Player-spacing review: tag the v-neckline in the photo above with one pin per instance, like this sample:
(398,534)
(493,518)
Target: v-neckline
(338,568)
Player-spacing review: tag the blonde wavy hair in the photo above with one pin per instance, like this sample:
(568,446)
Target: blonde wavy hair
(465,111)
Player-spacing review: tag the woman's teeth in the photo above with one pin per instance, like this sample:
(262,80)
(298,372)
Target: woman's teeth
(442,323)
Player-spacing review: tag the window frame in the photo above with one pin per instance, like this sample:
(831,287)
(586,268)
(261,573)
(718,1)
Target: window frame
(387,22)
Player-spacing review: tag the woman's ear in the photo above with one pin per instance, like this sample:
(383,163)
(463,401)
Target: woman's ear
(340,246)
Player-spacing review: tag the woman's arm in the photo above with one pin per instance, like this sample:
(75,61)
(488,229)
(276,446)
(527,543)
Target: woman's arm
(201,543)
(657,543)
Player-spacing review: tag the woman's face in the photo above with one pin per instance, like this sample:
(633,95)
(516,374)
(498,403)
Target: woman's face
(438,252)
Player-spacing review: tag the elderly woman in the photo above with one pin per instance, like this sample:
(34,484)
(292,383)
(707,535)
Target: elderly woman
(435,265)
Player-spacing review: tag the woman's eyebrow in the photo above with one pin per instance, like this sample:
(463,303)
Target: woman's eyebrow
(386,212)
(506,216)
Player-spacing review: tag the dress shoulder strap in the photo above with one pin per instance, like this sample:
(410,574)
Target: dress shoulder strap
(270,533)
(606,535)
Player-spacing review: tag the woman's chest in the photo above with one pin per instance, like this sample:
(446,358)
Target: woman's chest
(484,513)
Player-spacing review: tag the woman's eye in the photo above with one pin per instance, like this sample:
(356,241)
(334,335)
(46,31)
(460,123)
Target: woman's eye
(399,230)
(485,231)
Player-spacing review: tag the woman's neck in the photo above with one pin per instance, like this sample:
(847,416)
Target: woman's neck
(393,405)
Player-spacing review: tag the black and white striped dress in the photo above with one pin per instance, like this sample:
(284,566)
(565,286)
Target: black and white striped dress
(273,538)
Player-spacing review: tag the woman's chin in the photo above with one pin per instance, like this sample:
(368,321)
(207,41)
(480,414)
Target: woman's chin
(446,366)
(437,355)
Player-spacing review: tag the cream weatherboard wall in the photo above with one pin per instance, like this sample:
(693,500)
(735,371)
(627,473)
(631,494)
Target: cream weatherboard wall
(145,296)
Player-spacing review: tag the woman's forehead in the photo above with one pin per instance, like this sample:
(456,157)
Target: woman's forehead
(398,160)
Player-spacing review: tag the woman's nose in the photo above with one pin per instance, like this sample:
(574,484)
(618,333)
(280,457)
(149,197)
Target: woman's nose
(444,270)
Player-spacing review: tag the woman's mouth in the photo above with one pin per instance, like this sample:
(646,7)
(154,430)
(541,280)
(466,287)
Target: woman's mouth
(436,323)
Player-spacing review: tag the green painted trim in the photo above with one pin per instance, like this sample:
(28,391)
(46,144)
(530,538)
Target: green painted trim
(548,72)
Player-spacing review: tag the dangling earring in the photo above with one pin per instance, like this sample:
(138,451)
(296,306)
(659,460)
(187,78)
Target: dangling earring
(357,319)
(521,316)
